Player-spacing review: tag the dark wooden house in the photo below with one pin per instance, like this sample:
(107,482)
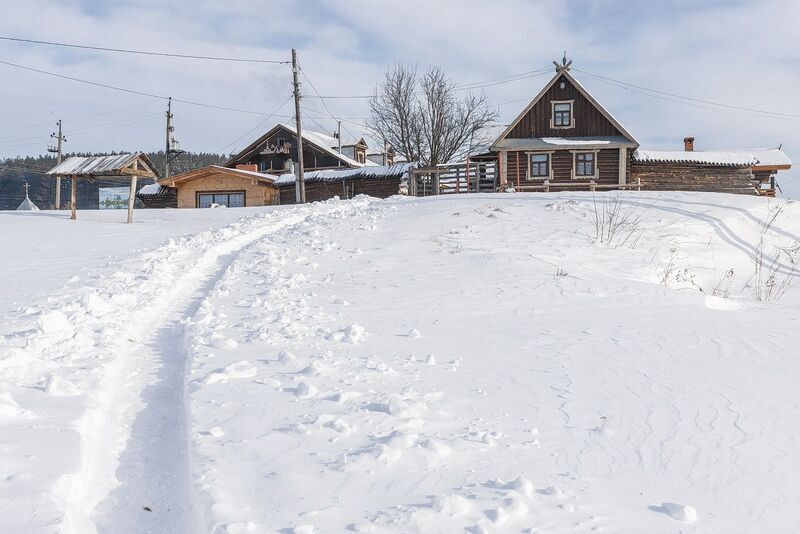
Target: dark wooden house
(274,152)
(564,139)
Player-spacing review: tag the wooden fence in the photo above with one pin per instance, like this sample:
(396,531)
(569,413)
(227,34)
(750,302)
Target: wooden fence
(547,186)
(482,178)
(472,177)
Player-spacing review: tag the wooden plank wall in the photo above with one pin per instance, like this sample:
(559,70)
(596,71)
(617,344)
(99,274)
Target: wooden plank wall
(692,177)
(256,194)
(588,120)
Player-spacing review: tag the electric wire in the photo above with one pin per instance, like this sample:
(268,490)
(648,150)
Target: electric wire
(144,52)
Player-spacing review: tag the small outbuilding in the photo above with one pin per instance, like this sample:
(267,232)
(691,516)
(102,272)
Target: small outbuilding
(125,167)
(214,185)
(244,187)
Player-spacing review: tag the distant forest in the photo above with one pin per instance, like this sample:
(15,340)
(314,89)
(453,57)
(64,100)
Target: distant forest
(14,172)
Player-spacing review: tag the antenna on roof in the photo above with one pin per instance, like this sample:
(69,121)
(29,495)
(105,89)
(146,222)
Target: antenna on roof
(565,64)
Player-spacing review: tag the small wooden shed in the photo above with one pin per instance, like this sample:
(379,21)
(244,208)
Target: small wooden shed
(127,167)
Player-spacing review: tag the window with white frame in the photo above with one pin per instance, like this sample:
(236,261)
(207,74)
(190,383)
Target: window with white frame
(585,164)
(539,166)
(562,115)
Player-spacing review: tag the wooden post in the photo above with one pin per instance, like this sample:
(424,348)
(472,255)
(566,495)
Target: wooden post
(501,162)
(623,166)
(132,196)
(435,176)
(73,198)
(517,153)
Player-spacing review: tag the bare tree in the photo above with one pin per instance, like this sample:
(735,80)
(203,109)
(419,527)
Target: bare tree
(424,119)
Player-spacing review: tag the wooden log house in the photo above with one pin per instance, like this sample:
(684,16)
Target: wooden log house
(262,173)
(565,140)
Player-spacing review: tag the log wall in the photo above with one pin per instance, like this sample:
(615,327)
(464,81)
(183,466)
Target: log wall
(562,161)
(693,177)
(323,190)
(588,119)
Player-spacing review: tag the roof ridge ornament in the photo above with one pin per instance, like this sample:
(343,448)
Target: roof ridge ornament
(565,64)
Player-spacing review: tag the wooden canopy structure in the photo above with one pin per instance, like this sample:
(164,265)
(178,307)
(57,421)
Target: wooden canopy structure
(123,166)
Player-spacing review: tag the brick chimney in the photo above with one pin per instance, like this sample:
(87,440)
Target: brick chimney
(688,144)
(251,168)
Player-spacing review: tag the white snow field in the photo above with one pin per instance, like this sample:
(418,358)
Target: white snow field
(471,363)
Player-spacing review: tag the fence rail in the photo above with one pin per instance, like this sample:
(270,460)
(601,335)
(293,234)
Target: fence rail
(472,177)
(482,177)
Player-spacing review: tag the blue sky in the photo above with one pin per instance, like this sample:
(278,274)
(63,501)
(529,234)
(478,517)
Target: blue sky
(742,53)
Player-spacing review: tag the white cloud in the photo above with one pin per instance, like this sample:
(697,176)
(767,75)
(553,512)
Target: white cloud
(743,53)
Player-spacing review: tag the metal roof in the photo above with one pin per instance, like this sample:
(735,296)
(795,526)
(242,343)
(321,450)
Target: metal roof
(100,165)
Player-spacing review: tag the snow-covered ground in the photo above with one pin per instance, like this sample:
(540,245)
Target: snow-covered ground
(478,363)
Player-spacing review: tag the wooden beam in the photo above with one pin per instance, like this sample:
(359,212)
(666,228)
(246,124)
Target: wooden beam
(623,166)
(502,160)
(143,173)
(132,196)
(73,198)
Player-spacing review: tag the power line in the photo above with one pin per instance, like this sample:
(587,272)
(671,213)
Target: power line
(324,105)
(143,52)
(464,87)
(248,132)
(500,81)
(686,98)
(131,91)
(84,117)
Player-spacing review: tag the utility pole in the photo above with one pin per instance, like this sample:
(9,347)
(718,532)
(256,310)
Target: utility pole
(60,139)
(168,146)
(301,184)
(339,134)
(171,150)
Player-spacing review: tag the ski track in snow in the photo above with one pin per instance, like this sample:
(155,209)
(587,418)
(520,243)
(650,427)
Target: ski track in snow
(125,338)
(411,365)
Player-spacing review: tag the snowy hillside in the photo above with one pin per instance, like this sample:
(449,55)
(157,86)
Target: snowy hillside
(472,363)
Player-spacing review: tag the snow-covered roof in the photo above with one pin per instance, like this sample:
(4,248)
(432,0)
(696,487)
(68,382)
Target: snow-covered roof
(535,143)
(727,158)
(328,144)
(398,170)
(324,142)
(28,205)
(767,157)
(151,190)
(101,165)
